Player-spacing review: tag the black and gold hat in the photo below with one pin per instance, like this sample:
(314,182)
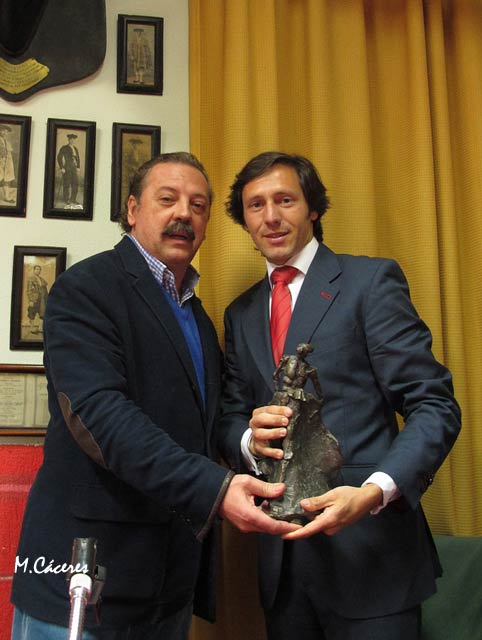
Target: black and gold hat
(45,43)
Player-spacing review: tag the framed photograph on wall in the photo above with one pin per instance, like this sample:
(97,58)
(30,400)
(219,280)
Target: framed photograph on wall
(69,170)
(14,153)
(140,54)
(34,272)
(23,400)
(132,145)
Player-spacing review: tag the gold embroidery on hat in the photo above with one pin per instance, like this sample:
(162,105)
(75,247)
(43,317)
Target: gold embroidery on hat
(16,78)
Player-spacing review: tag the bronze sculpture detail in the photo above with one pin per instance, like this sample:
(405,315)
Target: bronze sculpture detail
(312,455)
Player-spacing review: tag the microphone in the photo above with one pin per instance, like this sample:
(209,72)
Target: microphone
(85,583)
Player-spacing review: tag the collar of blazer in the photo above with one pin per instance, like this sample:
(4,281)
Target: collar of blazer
(147,287)
(317,294)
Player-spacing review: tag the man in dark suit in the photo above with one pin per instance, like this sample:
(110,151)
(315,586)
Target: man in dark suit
(68,159)
(361,568)
(133,367)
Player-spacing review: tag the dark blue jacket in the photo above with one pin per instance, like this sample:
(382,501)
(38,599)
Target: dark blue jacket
(374,360)
(129,448)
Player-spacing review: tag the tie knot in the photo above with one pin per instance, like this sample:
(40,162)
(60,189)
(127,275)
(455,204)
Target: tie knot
(283,274)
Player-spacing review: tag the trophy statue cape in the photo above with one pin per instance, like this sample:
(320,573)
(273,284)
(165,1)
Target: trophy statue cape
(44,43)
(312,456)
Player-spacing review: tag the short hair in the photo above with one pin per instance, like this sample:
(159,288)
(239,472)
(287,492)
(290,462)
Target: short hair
(313,188)
(138,180)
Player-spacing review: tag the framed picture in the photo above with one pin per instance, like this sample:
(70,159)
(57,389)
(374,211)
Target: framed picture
(14,151)
(69,170)
(23,400)
(132,145)
(34,272)
(139,54)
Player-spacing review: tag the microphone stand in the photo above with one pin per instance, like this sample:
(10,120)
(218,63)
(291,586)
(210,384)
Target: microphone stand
(85,583)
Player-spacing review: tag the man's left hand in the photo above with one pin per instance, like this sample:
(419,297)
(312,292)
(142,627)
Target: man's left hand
(340,507)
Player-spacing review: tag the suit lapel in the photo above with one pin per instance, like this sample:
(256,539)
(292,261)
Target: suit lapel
(315,298)
(258,336)
(149,290)
(317,294)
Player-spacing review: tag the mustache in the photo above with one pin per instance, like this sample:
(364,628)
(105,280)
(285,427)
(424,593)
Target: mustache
(177,228)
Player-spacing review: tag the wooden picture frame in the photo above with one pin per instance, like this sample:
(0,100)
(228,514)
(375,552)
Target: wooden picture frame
(140,54)
(34,272)
(132,145)
(69,169)
(23,400)
(14,154)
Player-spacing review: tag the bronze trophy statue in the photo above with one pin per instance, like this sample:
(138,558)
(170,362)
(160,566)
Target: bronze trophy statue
(312,455)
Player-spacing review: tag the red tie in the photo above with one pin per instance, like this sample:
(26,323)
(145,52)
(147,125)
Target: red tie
(280,309)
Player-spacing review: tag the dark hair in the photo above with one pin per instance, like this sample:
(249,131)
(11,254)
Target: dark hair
(313,188)
(139,179)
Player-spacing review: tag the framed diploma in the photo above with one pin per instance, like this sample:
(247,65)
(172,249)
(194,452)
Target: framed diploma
(23,400)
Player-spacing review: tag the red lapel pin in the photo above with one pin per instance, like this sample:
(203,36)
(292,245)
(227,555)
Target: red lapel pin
(326,295)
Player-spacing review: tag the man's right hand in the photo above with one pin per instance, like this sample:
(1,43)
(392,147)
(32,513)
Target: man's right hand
(267,424)
(239,507)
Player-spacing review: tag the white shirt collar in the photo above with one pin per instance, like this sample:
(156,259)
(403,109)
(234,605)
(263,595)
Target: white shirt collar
(301,260)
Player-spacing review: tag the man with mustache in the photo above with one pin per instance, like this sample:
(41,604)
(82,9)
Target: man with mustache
(366,560)
(134,367)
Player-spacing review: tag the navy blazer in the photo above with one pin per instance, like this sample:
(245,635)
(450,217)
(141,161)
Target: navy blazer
(373,356)
(129,448)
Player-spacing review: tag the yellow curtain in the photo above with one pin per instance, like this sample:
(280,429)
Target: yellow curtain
(385,97)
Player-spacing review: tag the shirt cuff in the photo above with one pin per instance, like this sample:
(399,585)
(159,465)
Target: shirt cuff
(387,485)
(248,457)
